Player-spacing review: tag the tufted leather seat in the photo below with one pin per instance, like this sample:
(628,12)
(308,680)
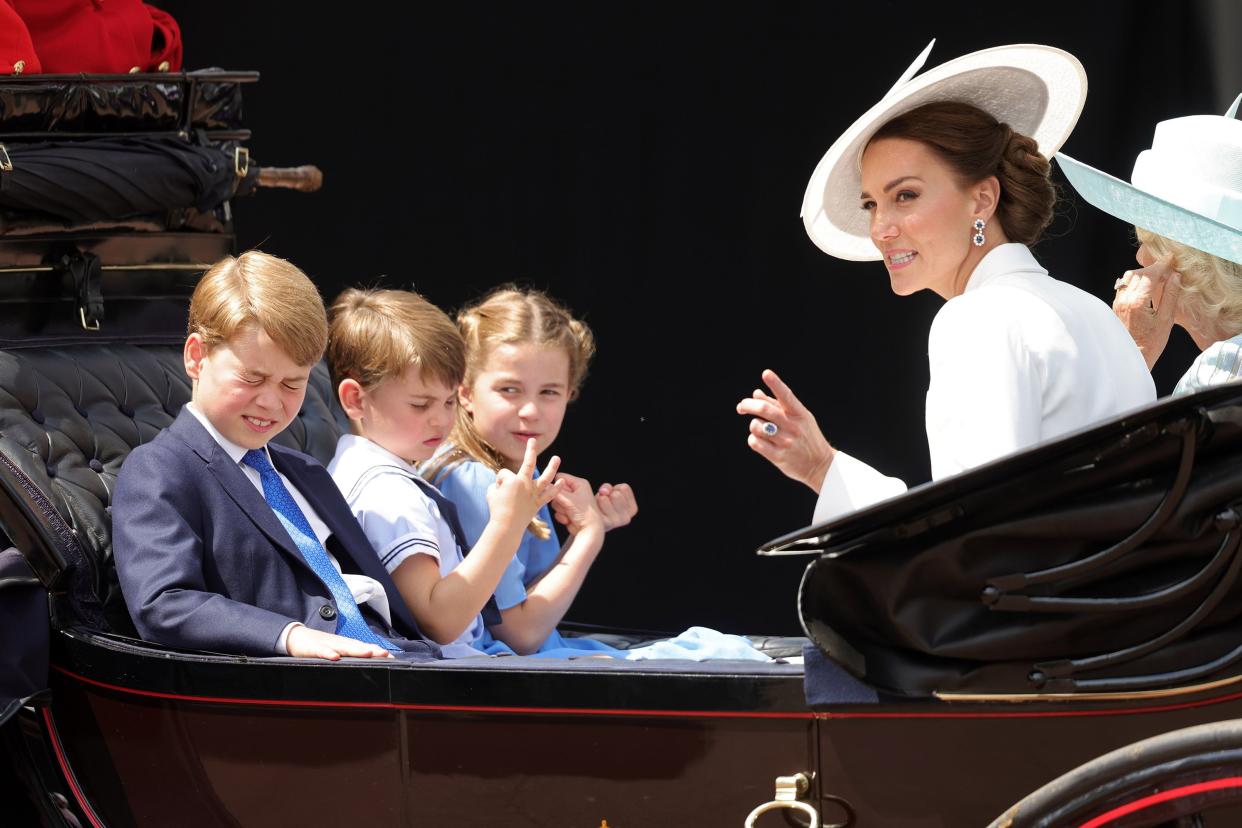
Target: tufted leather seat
(69,416)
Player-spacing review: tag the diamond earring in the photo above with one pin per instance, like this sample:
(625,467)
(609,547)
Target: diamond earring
(978,238)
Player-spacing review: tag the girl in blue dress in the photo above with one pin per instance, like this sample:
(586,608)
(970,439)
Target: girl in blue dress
(526,358)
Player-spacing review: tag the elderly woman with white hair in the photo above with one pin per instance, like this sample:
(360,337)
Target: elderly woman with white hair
(1185,200)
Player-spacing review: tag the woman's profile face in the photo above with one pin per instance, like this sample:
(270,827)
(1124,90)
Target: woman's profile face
(921,217)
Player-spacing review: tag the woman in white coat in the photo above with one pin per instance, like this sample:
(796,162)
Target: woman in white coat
(946,181)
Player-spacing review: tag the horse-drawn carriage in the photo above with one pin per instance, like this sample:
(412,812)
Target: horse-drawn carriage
(968,642)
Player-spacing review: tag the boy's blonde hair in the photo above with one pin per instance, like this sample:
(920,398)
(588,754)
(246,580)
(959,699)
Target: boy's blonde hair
(1211,286)
(377,334)
(511,316)
(264,290)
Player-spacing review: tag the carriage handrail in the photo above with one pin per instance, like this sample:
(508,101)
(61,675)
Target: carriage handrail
(994,593)
(1048,672)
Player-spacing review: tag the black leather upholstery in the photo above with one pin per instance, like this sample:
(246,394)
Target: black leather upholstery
(69,416)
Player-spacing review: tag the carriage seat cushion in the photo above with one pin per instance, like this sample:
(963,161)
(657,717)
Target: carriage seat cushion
(69,416)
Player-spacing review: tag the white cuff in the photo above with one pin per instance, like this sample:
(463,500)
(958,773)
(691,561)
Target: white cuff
(282,643)
(851,484)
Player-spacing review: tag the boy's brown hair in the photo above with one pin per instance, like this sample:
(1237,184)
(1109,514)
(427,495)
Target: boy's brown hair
(377,334)
(265,290)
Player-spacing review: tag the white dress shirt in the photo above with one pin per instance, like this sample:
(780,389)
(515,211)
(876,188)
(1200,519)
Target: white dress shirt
(364,589)
(1016,359)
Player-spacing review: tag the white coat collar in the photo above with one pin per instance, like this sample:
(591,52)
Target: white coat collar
(1011,257)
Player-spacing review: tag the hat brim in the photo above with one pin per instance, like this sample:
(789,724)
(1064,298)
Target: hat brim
(1142,209)
(1038,90)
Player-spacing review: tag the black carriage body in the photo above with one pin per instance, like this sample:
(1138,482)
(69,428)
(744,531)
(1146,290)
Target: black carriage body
(164,739)
(133,734)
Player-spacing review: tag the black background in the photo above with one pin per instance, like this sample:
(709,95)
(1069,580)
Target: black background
(645,163)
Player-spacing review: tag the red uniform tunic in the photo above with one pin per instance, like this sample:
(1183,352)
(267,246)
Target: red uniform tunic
(92,36)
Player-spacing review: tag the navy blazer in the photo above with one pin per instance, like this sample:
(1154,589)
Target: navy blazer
(205,564)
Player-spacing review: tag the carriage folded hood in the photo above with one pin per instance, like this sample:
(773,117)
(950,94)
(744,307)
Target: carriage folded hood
(1106,560)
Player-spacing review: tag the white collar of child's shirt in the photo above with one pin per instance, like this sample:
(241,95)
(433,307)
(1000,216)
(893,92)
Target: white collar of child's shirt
(1010,257)
(370,453)
(233,450)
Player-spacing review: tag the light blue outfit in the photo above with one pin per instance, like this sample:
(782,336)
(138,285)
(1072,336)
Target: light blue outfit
(699,644)
(1220,363)
(466,486)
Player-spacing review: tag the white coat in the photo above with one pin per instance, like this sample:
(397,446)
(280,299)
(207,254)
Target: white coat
(1016,359)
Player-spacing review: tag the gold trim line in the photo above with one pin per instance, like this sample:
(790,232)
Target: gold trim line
(153,266)
(1134,695)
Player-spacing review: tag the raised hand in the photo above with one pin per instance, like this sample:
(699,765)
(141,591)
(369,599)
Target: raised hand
(1146,303)
(576,507)
(307,642)
(616,504)
(516,497)
(785,433)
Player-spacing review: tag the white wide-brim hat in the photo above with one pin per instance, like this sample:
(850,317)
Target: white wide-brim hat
(1187,187)
(1037,90)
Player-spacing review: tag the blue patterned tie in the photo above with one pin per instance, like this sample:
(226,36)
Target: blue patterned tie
(349,620)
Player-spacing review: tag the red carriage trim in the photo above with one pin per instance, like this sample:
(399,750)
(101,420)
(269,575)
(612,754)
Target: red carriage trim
(67,772)
(1163,796)
(448,708)
(709,714)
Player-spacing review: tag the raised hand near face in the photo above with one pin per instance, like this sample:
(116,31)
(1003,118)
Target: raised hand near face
(785,433)
(1146,303)
(516,497)
(617,504)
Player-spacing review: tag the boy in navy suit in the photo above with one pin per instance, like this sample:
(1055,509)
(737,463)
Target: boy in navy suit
(225,543)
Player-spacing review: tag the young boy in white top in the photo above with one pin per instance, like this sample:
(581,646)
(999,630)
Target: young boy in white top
(397,360)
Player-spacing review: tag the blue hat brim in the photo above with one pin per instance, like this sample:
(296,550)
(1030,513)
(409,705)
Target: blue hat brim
(1142,209)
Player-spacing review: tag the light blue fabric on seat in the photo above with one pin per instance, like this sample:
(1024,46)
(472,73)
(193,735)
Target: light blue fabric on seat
(699,644)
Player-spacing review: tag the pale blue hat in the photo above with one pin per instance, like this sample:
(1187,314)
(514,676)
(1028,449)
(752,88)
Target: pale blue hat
(1187,187)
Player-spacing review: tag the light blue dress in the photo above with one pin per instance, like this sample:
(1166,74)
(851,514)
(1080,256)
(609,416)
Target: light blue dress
(466,486)
(1220,363)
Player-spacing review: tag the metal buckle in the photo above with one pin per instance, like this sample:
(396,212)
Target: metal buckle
(788,789)
(87,326)
(6,163)
(241,161)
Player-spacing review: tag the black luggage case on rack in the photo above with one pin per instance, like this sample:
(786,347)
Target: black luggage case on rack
(76,273)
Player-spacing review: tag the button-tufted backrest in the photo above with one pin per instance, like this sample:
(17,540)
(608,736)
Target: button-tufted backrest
(69,416)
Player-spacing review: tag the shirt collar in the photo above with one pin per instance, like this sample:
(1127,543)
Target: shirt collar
(370,453)
(234,451)
(1011,257)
